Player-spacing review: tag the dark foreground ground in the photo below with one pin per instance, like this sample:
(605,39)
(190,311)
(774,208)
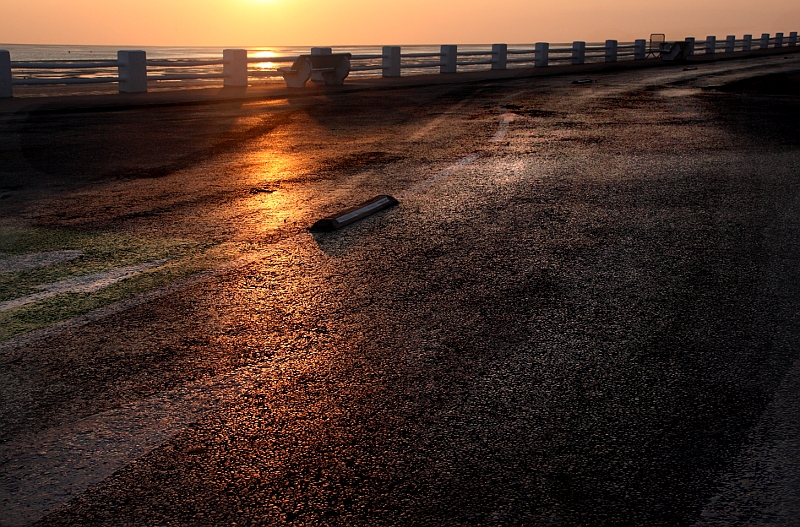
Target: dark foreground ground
(584,305)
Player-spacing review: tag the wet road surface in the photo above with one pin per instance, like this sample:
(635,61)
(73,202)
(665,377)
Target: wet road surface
(584,310)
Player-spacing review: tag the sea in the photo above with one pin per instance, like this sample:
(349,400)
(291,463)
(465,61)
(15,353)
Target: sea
(262,71)
(366,63)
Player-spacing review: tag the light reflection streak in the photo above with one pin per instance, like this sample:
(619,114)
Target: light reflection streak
(274,199)
(284,188)
(266,65)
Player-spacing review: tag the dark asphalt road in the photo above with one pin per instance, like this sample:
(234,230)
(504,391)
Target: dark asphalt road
(584,310)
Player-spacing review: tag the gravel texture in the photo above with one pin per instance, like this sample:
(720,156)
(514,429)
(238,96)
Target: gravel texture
(579,313)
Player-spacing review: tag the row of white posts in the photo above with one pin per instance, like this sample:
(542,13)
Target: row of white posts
(131,71)
(748,43)
(132,65)
(133,78)
(391,57)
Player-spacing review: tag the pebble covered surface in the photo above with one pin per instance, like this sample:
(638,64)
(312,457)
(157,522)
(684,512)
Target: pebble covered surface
(580,313)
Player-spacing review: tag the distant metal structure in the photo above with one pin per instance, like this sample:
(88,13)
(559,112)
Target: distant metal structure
(134,71)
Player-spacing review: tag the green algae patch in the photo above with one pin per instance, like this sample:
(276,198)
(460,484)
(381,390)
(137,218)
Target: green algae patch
(91,254)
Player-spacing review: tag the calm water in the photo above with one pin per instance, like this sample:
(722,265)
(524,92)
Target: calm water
(259,72)
(54,53)
(25,52)
(49,53)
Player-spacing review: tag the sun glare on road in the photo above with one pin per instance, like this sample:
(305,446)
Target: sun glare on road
(273,199)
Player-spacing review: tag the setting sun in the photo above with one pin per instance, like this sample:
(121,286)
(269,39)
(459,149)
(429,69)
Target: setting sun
(350,22)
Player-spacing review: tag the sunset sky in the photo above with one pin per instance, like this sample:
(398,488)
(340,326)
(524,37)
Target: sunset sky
(350,22)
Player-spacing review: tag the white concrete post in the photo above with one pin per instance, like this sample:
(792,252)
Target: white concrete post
(449,59)
(711,45)
(640,49)
(235,67)
(747,43)
(321,51)
(499,56)
(778,40)
(730,44)
(611,50)
(5,74)
(793,38)
(132,71)
(390,61)
(764,41)
(578,52)
(689,46)
(542,54)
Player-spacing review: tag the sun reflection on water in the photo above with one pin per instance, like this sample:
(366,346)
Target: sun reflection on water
(266,65)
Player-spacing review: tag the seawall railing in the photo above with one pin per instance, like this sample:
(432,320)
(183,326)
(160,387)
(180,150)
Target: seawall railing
(133,71)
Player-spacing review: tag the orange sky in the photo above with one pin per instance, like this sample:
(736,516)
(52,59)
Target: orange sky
(253,23)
